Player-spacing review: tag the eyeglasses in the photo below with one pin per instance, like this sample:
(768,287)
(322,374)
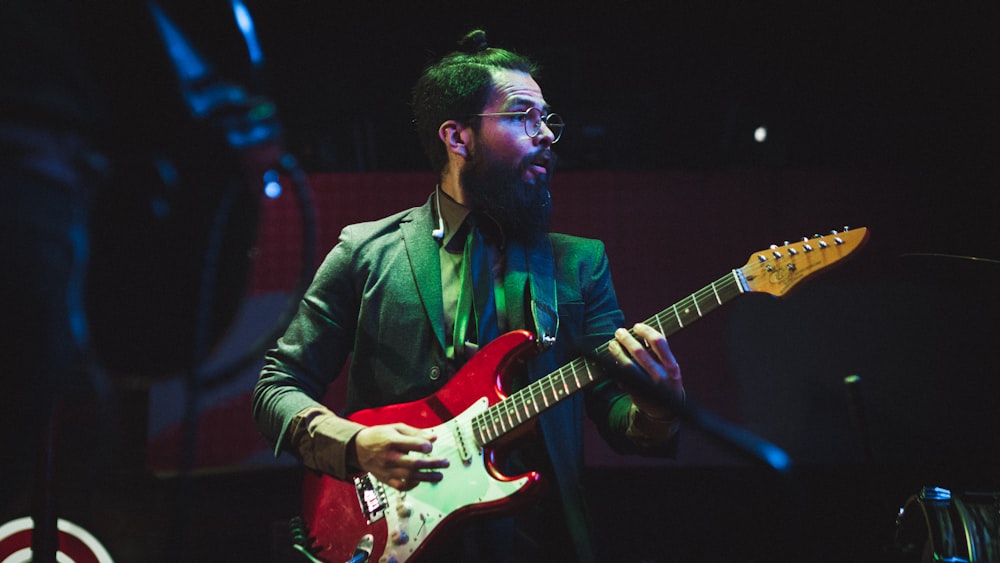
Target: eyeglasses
(533,120)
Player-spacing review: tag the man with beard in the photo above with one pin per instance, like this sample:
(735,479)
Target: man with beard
(401,295)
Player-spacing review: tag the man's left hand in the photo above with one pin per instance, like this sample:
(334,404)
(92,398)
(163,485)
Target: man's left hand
(648,350)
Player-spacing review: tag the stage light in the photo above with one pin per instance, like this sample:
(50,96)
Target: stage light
(272,188)
(246,25)
(760,134)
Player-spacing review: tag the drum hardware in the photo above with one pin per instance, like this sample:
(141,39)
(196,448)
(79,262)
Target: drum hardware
(937,525)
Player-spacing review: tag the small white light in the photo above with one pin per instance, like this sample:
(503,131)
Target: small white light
(272,190)
(760,134)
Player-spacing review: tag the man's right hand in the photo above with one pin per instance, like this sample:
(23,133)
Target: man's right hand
(397,454)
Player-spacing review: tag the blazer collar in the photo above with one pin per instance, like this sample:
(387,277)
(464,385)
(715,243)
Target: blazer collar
(422,249)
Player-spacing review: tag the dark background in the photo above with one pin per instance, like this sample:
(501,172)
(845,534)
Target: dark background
(658,85)
(892,104)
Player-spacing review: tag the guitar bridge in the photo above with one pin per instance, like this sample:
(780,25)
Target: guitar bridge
(371,497)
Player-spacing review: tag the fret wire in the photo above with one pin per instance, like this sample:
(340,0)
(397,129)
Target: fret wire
(576,378)
(698,298)
(686,306)
(484,435)
(475,429)
(659,317)
(499,416)
(739,283)
(493,422)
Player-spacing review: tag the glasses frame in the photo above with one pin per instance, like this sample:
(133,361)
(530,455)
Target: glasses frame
(543,118)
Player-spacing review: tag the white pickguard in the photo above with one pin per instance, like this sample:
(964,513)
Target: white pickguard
(413,515)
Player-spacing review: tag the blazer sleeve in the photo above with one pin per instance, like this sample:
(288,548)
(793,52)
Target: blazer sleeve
(313,349)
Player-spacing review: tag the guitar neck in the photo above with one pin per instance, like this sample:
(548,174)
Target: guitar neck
(527,403)
(695,306)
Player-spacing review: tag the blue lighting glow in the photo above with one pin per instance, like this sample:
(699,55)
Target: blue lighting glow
(245,23)
(272,188)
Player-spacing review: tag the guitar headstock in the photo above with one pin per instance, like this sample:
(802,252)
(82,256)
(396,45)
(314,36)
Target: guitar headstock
(777,269)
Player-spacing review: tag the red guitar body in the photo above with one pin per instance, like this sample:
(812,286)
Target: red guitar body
(404,526)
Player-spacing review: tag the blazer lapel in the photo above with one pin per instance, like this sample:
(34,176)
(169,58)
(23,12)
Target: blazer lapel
(425,261)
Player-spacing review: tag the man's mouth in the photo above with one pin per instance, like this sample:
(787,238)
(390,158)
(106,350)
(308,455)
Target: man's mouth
(540,163)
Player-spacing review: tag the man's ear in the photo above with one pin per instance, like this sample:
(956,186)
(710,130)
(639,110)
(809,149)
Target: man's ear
(456,137)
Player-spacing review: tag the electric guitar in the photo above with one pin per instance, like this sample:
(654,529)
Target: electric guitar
(363,519)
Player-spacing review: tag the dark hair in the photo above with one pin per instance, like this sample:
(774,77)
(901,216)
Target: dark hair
(457,86)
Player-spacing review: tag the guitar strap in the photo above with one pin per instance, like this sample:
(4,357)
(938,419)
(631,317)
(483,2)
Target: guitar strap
(531,269)
(531,274)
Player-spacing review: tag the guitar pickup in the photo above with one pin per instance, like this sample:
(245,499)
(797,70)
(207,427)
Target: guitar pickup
(371,497)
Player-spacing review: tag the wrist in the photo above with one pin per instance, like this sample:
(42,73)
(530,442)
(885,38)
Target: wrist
(351,454)
(648,430)
(663,415)
(657,417)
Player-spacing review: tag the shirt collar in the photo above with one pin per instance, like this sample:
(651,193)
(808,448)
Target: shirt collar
(453,214)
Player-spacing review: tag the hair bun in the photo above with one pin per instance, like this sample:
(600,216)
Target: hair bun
(474,41)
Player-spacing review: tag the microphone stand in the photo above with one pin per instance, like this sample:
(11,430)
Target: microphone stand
(44,532)
(737,439)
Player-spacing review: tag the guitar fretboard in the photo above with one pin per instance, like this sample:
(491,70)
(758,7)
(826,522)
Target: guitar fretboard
(529,402)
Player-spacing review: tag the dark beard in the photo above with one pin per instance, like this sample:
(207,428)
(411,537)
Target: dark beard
(520,208)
